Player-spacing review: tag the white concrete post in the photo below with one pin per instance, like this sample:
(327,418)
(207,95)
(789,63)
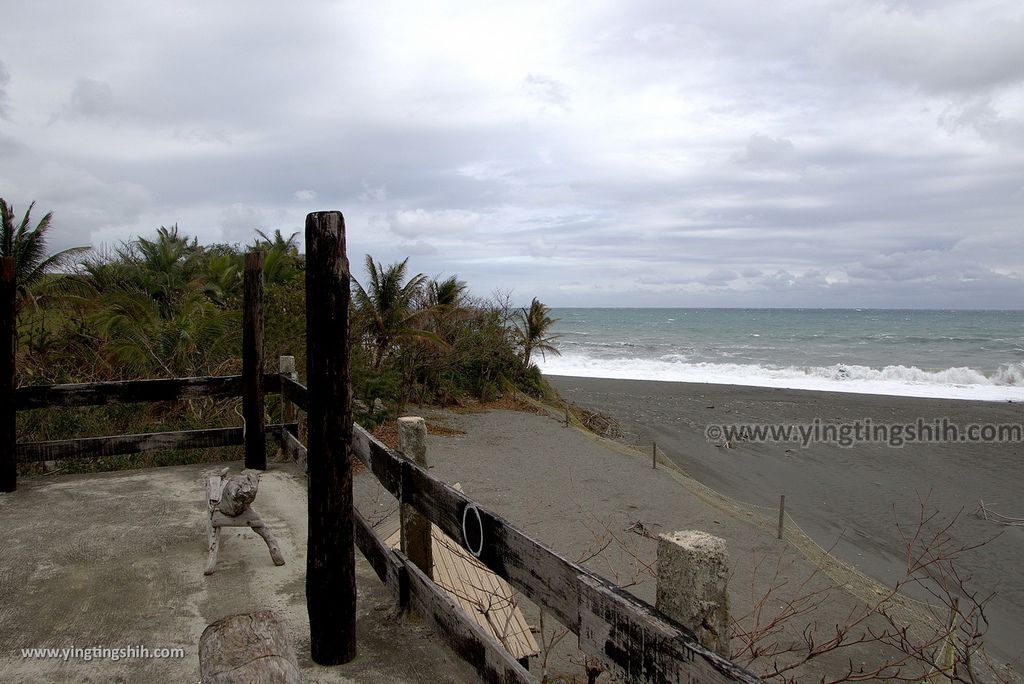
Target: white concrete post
(415,529)
(286,366)
(693,576)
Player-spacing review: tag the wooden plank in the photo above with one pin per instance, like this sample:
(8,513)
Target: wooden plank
(381,461)
(330,558)
(253,409)
(478,648)
(383,562)
(294,391)
(630,628)
(130,391)
(407,582)
(92,447)
(290,444)
(640,644)
(8,350)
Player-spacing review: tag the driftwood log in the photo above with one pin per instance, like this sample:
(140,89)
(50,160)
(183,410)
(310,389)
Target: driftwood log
(250,648)
(230,505)
(238,493)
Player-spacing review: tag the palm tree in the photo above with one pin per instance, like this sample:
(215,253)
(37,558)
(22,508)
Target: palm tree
(533,325)
(386,306)
(165,268)
(281,256)
(447,293)
(278,243)
(28,247)
(190,339)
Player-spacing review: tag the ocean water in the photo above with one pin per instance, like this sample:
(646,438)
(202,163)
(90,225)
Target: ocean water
(950,354)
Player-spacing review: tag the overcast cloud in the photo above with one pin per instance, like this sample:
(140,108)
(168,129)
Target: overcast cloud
(633,153)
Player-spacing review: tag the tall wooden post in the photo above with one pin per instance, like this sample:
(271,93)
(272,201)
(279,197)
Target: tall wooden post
(253,364)
(330,557)
(8,347)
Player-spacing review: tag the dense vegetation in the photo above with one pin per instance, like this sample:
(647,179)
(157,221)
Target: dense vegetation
(166,306)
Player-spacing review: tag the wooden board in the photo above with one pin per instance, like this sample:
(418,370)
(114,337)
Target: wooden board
(290,444)
(294,391)
(91,447)
(614,626)
(410,585)
(129,391)
(484,597)
(478,648)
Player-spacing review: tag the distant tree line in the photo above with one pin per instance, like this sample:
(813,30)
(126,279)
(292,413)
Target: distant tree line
(166,306)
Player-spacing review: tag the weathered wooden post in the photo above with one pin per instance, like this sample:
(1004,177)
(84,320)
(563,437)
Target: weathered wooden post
(330,558)
(252,363)
(8,348)
(415,535)
(692,589)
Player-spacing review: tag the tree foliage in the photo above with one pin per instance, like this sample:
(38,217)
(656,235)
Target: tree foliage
(163,305)
(28,247)
(534,325)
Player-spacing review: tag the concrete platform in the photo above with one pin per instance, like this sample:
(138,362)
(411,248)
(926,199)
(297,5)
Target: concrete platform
(116,560)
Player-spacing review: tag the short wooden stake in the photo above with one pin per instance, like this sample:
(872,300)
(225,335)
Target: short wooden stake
(330,557)
(782,513)
(654,455)
(253,364)
(415,529)
(8,349)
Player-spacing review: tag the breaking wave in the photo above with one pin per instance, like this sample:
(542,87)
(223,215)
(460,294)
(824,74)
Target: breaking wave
(1006,383)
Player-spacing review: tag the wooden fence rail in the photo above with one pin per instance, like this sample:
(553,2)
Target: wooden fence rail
(619,629)
(92,447)
(130,391)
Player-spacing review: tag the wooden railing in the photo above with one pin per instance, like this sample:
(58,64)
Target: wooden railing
(614,626)
(132,391)
(625,633)
(251,385)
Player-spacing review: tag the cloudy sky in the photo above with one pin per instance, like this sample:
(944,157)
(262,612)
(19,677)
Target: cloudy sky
(843,153)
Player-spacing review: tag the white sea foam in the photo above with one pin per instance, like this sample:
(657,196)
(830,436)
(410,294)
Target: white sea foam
(952,383)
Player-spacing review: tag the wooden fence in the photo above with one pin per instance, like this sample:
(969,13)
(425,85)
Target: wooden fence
(622,631)
(625,633)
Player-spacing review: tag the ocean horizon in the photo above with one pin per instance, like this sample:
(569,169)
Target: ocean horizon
(954,354)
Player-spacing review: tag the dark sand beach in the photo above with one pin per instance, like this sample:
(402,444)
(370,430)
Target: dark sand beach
(847,499)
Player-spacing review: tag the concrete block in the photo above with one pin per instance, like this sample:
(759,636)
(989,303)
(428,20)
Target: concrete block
(693,575)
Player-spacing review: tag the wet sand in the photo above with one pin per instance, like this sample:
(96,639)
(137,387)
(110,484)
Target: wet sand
(846,499)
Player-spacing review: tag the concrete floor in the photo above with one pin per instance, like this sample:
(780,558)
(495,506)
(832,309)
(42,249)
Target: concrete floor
(116,560)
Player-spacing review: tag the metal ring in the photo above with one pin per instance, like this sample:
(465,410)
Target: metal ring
(480,525)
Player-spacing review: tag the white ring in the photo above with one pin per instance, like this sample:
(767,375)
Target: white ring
(480,525)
